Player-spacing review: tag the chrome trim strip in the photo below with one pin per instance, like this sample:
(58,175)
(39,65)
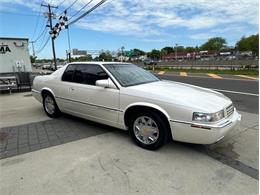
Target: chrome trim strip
(104,107)
(222,125)
(35,91)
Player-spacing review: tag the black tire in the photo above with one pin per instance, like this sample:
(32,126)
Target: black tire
(161,124)
(56,111)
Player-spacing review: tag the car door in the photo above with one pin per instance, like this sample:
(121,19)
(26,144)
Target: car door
(94,102)
(62,89)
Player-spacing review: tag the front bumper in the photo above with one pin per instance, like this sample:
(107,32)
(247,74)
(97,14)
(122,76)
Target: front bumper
(203,133)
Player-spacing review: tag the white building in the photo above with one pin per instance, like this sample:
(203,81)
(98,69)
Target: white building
(122,58)
(14,55)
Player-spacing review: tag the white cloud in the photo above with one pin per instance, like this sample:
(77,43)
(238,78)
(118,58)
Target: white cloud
(152,18)
(144,18)
(200,36)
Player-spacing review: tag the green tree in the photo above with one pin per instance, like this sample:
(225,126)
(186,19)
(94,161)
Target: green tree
(167,50)
(190,49)
(85,58)
(43,60)
(250,43)
(60,60)
(179,48)
(154,54)
(96,58)
(33,59)
(106,56)
(138,52)
(215,43)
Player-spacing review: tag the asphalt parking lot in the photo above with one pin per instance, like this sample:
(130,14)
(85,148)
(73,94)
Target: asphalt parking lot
(69,155)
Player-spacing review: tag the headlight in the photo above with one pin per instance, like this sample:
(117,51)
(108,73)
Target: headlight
(208,117)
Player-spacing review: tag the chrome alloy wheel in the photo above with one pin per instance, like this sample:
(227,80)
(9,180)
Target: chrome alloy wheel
(146,130)
(49,105)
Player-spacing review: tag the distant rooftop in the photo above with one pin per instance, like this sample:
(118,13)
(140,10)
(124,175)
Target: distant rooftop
(14,38)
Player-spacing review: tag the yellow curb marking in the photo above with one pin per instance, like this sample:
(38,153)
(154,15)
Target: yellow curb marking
(248,77)
(161,72)
(215,76)
(184,74)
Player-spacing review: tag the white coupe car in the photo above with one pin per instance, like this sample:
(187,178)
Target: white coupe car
(126,96)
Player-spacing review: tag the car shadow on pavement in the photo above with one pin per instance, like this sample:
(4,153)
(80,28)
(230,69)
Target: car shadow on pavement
(35,136)
(209,150)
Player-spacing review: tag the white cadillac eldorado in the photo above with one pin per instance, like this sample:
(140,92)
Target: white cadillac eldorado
(126,96)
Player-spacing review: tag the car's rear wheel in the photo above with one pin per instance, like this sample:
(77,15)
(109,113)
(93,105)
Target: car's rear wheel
(50,106)
(148,130)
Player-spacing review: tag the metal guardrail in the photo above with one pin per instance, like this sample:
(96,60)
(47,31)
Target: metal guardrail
(209,67)
(210,64)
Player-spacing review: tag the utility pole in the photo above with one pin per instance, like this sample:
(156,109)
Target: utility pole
(32,42)
(68,56)
(51,15)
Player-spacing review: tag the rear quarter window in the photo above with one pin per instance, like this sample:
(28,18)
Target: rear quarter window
(68,73)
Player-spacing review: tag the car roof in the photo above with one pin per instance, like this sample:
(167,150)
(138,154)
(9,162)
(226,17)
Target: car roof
(98,62)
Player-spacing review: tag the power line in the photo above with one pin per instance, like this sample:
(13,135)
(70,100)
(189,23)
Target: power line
(42,40)
(40,50)
(37,22)
(75,1)
(71,5)
(41,34)
(44,35)
(81,9)
(60,4)
(88,12)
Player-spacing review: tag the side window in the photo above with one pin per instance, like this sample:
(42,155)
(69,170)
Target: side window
(68,74)
(89,74)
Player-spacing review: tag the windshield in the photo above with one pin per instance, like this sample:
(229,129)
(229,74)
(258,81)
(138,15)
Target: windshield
(130,74)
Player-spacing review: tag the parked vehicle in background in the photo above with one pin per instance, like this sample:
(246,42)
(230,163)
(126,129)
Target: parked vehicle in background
(37,65)
(46,67)
(149,62)
(128,97)
(51,67)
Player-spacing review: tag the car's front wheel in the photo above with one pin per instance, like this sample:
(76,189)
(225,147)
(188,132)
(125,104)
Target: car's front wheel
(50,106)
(148,130)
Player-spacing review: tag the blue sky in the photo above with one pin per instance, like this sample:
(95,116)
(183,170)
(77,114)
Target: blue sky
(132,23)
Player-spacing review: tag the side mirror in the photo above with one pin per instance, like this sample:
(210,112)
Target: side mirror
(106,83)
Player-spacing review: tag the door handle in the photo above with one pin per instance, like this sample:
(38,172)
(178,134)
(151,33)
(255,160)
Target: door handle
(71,89)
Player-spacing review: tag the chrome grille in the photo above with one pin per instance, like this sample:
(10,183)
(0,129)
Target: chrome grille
(229,110)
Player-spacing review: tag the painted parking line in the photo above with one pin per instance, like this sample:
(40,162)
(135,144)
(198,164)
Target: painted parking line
(236,92)
(248,77)
(184,74)
(215,76)
(161,72)
(206,77)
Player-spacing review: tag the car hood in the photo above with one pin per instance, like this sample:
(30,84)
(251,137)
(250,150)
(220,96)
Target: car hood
(202,99)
